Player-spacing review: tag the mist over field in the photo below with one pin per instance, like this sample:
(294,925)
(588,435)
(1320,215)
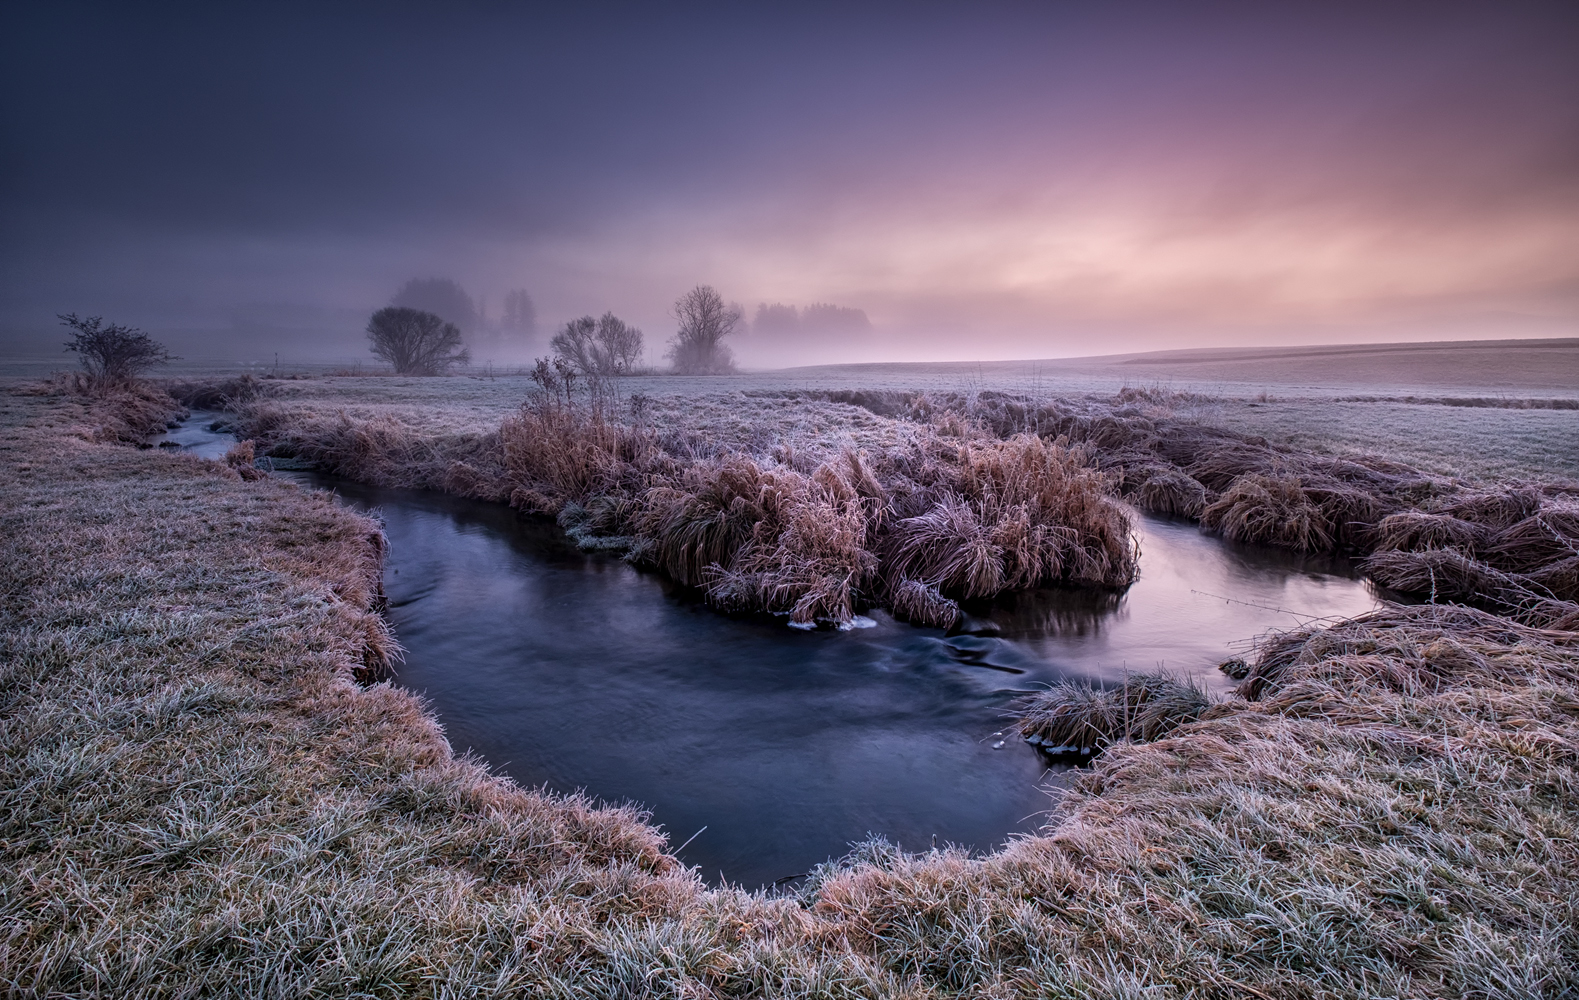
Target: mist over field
(882,183)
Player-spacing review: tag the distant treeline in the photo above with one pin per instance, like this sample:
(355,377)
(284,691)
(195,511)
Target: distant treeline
(777,318)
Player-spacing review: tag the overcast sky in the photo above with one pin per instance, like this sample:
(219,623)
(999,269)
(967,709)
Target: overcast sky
(985,180)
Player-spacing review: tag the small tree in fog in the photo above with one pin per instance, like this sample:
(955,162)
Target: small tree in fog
(520,315)
(607,346)
(443,297)
(415,342)
(110,353)
(705,320)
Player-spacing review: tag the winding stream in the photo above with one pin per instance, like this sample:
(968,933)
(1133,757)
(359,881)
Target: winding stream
(575,671)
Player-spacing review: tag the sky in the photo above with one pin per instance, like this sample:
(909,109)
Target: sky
(986,180)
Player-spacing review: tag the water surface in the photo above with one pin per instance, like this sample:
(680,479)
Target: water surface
(575,671)
(763,749)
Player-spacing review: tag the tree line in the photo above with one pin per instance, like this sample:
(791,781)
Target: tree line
(426,327)
(422,341)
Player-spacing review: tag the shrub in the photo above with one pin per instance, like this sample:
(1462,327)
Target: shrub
(112,354)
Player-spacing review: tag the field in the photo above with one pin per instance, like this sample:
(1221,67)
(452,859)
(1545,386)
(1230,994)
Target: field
(205,791)
(1488,410)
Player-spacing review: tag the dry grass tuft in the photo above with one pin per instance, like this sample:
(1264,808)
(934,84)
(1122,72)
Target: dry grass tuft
(1072,716)
(1171,491)
(1414,650)
(1013,515)
(221,394)
(1412,530)
(1271,510)
(922,604)
(124,412)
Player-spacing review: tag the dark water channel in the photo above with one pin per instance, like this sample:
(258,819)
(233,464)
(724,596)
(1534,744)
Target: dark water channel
(575,671)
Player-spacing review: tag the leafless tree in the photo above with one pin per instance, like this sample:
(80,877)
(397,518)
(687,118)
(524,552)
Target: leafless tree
(607,346)
(110,353)
(415,342)
(621,344)
(705,320)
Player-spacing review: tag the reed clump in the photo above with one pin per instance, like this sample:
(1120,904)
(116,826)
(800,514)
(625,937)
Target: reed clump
(1074,716)
(971,519)
(1514,548)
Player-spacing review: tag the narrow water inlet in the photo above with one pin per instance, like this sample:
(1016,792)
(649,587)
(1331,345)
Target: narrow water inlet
(574,671)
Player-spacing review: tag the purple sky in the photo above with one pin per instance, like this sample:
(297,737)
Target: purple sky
(985,180)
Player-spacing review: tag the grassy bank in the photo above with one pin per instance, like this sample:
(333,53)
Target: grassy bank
(199,798)
(817,503)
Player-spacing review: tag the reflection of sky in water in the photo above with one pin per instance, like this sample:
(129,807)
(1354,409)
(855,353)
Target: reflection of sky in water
(195,437)
(1197,600)
(576,671)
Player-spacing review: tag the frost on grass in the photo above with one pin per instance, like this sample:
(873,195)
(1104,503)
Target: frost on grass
(197,798)
(819,503)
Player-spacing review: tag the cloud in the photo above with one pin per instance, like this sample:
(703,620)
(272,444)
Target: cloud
(1043,179)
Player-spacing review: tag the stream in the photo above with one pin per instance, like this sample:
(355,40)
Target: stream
(762,749)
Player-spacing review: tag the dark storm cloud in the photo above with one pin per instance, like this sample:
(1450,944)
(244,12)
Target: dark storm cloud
(1023,171)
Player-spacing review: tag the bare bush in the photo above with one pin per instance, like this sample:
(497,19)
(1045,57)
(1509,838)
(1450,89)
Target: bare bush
(112,354)
(415,342)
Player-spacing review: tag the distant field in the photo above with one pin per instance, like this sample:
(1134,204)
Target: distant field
(1496,368)
(1301,397)
(1473,443)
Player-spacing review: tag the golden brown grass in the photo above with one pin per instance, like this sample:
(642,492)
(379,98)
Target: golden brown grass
(196,799)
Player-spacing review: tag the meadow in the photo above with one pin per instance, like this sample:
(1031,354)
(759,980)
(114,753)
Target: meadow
(208,789)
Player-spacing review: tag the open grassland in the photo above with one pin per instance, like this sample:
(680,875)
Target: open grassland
(198,797)
(1438,434)
(1481,442)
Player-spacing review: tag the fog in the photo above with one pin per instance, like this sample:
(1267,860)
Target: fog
(985,182)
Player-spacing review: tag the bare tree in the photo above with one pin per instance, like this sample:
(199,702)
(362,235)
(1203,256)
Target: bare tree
(113,354)
(576,345)
(607,346)
(621,344)
(415,342)
(705,320)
